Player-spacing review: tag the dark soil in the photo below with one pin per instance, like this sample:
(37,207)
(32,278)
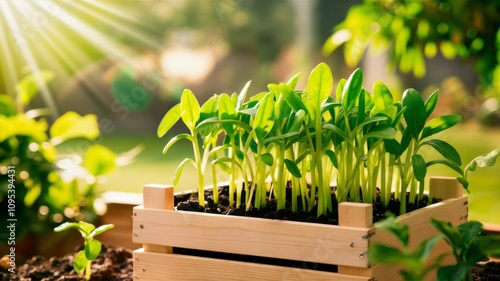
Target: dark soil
(489,271)
(113,264)
(189,202)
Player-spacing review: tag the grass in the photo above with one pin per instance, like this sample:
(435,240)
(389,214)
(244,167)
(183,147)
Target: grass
(151,166)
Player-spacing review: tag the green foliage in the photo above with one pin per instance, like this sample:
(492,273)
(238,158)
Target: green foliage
(415,30)
(469,246)
(308,138)
(414,262)
(92,247)
(50,186)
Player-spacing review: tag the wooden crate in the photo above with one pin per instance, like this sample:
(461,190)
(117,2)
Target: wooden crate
(165,233)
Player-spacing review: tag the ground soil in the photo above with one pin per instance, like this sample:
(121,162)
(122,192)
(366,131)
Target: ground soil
(189,202)
(113,264)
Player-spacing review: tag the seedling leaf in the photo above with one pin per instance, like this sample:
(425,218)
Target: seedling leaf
(440,124)
(80,262)
(292,168)
(169,120)
(92,249)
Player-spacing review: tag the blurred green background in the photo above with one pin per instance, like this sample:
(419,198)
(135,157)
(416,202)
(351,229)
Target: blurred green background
(128,61)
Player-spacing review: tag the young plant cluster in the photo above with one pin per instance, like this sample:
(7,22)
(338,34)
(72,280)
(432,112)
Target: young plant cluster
(306,139)
(91,247)
(467,242)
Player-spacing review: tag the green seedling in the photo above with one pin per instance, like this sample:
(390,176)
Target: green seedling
(92,247)
(415,263)
(468,246)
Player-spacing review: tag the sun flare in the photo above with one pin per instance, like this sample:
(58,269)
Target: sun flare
(62,36)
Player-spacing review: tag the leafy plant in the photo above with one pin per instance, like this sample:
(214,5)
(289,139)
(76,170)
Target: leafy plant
(415,30)
(92,247)
(57,167)
(301,141)
(468,246)
(415,262)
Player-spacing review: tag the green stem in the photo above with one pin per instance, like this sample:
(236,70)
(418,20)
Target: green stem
(88,270)
(199,168)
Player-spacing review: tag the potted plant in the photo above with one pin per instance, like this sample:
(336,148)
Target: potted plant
(284,147)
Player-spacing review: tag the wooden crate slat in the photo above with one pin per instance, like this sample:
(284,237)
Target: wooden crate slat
(452,210)
(160,267)
(318,243)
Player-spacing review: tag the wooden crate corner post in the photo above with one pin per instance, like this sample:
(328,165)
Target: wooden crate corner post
(358,215)
(157,197)
(444,188)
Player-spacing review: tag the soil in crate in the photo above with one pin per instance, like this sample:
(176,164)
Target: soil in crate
(113,264)
(189,202)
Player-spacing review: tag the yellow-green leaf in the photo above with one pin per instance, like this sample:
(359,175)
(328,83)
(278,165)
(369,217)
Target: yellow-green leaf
(72,125)
(99,160)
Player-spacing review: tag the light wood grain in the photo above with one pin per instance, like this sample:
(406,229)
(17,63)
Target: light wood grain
(445,188)
(158,267)
(159,197)
(317,243)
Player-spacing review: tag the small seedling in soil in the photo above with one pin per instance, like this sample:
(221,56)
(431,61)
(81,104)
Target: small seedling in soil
(92,247)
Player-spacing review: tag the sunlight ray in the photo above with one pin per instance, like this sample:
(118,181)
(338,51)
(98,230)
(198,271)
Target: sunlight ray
(8,66)
(116,25)
(27,55)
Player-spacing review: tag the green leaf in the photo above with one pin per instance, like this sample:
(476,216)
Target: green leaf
(415,115)
(180,168)
(382,97)
(292,98)
(440,124)
(208,109)
(227,111)
(351,90)
(398,229)
(190,109)
(242,96)
(99,160)
(101,229)
(390,255)
(452,272)
(448,163)
(175,139)
(169,120)
(264,119)
(293,168)
(80,262)
(267,158)
(7,107)
(29,86)
(292,83)
(381,132)
(431,102)
(392,146)
(445,149)
(487,160)
(72,125)
(331,155)
(424,249)
(92,249)
(419,168)
(67,225)
(319,84)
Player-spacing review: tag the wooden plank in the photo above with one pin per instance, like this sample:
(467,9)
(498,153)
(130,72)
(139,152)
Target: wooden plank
(159,197)
(453,210)
(445,188)
(355,215)
(317,243)
(159,267)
